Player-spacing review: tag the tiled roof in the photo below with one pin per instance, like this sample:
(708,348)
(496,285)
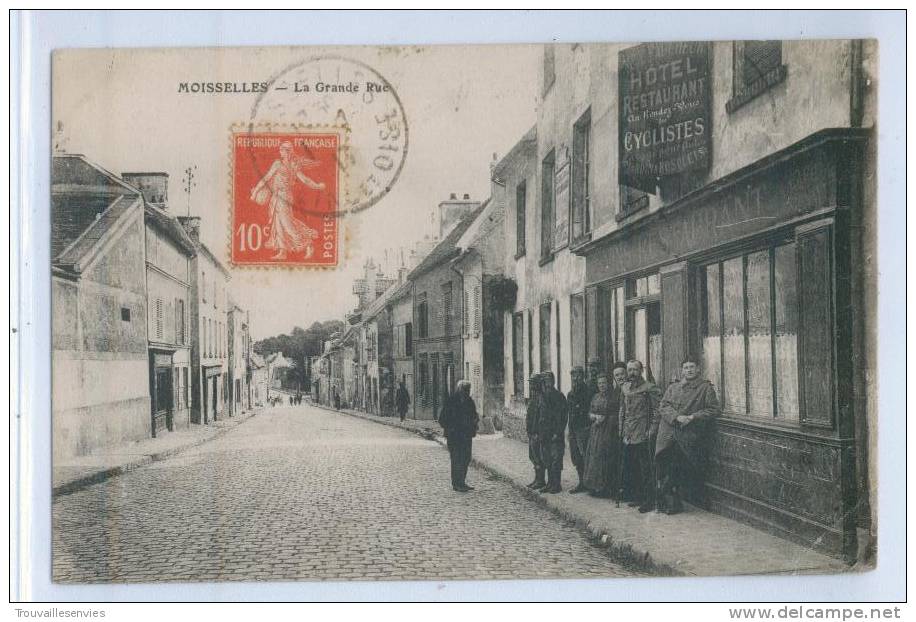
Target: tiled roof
(171,227)
(72,255)
(86,202)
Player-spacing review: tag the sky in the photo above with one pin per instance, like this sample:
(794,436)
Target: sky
(122,110)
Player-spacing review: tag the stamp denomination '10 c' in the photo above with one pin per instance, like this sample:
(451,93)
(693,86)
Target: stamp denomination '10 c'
(285,197)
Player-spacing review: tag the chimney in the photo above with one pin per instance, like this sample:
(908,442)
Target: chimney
(153,186)
(191,226)
(452,211)
(452,197)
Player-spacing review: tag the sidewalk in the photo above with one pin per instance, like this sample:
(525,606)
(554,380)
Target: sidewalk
(696,543)
(72,474)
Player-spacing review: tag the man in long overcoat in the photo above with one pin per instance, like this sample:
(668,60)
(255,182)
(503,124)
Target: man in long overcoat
(402,400)
(551,432)
(638,424)
(578,401)
(532,421)
(459,421)
(680,449)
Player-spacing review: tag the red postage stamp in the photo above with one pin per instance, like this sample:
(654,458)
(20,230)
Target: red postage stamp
(285,189)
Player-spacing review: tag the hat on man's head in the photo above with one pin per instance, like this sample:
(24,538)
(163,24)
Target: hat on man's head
(534,378)
(578,369)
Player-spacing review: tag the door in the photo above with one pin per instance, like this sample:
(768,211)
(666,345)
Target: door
(162,416)
(213,396)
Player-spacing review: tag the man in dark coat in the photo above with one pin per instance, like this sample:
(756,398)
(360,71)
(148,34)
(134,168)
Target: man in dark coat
(551,432)
(680,449)
(638,424)
(532,421)
(402,400)
(578,401)
(459,421)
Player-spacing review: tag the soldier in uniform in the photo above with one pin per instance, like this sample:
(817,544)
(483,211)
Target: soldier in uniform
(638,424)
(459,421)
(551,430)
(532,420)
(684,413)
(578,401)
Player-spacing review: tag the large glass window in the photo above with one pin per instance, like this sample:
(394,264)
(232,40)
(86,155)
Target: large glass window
(638,322)
(615,321)
(749,334)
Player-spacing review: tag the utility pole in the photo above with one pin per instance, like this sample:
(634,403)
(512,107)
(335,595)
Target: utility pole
(189,183)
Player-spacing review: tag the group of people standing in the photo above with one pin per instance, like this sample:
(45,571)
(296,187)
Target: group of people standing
(626,440)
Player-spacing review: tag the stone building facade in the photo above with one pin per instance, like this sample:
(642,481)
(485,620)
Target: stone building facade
(239,359)
(718,193)
(438,318)
(169,253)
(209,323)
(99,310)
(481,265)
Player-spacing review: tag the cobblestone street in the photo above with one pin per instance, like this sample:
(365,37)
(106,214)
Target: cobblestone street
(301,493)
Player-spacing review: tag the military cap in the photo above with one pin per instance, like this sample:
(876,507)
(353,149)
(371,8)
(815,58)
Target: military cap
(534,378)
(578,369)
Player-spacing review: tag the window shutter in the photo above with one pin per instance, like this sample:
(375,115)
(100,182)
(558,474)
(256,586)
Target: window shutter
(815,335)
(760,57)
(477,309)
(159,318)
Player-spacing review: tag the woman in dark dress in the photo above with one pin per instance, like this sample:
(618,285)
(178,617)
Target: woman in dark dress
(602,456)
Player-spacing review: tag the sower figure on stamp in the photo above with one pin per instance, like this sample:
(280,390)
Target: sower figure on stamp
(680,449)
(402,399)
(287,233)
(638,423)
(459,421)
(551,432)
(532,422)
(602,461)
(578,401)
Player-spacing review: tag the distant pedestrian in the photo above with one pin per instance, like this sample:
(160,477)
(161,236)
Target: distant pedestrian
(578,401)
(532,421)
(336,399)
(459,421)
(602,459)
(680,449)
(402,400)
(552,432)
(638,422)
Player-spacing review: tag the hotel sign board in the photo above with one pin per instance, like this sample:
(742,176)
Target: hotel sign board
(665,111)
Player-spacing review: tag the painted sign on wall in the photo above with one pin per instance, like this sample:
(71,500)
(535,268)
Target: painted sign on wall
(665,112)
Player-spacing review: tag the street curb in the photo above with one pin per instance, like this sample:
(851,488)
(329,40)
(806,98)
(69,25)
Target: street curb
(85,481)
(623,553)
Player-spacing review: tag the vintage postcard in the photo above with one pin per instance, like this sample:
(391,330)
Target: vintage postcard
(463,312)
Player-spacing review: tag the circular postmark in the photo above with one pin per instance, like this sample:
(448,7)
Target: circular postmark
(343,92)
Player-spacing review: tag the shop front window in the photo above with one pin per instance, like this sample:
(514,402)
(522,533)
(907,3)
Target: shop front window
(749,333)
(638,323)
